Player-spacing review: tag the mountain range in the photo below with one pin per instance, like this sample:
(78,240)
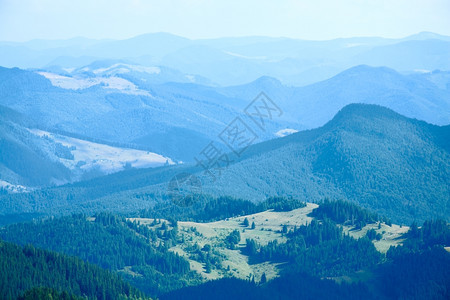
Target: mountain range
(126,106)
(365,119)
(393,165)
(233,61)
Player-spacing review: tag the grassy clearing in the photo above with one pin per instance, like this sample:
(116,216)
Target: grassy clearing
(392,235)
(268,227)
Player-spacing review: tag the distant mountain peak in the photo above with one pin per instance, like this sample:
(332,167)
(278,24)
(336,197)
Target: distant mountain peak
(366,73)
(426,35)
(160,36)
(371,69)
(267,81)
(368,111)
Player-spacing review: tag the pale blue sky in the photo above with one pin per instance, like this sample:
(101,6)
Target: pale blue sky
(22,20)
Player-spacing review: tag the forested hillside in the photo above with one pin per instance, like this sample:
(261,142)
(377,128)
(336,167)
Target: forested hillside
(324,263)
(395,166)
(26,159)
(368,154)
(25,268)
(138,253)
(321,256)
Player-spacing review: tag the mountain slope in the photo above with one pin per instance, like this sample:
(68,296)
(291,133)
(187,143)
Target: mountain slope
(114,109)
(137,256)
(30,157)
(118,102)
(26,159)
(368,154)
(25,268)
(109,91)
(289,243)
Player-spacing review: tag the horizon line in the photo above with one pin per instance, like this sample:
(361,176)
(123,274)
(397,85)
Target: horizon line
(223,37)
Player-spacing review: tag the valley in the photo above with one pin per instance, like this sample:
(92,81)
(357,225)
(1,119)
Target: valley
(261,150)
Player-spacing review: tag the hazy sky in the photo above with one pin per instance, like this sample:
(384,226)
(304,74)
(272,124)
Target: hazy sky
(313,19)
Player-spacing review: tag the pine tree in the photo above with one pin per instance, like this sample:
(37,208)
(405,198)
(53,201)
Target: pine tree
(263,279)
(208,267)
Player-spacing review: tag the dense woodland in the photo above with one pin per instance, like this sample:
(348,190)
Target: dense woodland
(138,253)
(295,286)
(44,293)
(420,269)
(208,208)
(112,243)
(345,213)
(319,249)
(25,268)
